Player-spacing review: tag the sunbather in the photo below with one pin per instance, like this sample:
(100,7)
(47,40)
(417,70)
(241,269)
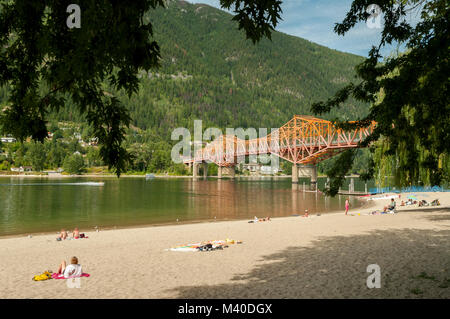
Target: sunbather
(62,235)
(72,270)
(76,233)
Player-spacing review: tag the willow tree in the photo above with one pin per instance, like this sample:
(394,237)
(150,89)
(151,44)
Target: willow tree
(413,117)
(52,51)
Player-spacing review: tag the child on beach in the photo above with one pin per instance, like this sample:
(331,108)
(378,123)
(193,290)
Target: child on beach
(76,233)
(347,206)
(72,270)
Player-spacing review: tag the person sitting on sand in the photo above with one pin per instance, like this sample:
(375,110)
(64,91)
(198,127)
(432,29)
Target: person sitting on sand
(62,235)
(435,203)
(391,206)
(306,213)
(423,202)
(72,270)
(76,233)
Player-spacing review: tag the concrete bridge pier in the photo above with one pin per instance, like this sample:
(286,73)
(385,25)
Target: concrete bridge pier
(294,174)
(308,171)
(195,169)
(314,177)
(222,170)
(231,171)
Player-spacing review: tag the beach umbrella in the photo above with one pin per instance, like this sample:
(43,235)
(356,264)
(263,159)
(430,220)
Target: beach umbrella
(412,197)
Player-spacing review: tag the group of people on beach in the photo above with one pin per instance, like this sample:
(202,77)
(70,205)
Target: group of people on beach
(388,208)
(75,234)
(74,269)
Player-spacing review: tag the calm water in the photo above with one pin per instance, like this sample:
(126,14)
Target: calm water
(30,205)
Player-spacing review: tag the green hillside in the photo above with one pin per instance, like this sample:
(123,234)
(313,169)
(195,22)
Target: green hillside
(211,72)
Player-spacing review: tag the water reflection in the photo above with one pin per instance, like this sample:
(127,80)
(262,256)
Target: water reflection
(47,206)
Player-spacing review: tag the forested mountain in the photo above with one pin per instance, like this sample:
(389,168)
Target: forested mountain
(209,71)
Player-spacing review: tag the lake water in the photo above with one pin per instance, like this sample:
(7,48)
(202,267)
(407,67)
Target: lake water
(31,205)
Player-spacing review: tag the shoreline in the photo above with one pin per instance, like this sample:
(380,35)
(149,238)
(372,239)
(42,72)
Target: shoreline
(57,175)
(365,205)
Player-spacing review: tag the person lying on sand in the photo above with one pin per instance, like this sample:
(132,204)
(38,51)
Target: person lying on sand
(72,270)
(256,219)
(62,235)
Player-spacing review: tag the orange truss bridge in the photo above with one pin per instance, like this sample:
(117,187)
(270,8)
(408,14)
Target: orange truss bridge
(302,140)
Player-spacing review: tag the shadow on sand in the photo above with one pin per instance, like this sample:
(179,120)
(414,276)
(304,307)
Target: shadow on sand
(414,264)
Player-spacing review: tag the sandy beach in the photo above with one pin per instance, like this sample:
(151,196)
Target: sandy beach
(293,257)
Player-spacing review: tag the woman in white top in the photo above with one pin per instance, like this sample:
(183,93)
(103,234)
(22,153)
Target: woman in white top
(72,270)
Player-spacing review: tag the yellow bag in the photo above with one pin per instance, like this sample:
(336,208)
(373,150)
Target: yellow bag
(46,275)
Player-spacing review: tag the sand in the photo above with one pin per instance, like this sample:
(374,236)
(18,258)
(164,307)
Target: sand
(293,257)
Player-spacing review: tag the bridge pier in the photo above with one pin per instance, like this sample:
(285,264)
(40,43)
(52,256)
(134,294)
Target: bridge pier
(294,174)
(222,170)
(314,177)
(308,171)
(232,172)
(195,167)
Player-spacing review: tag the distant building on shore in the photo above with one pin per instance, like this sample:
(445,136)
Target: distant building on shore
(7,139)
(256,169)
(22,169)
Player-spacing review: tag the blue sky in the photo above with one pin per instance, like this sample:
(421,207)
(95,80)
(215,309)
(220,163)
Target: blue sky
(314,20)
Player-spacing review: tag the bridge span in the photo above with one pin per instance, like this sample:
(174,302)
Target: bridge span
(304,141)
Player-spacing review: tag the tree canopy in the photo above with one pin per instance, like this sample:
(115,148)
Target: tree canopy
(408,92)
(44,62)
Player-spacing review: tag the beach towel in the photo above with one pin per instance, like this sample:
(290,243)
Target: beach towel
(215,244)
(61,276)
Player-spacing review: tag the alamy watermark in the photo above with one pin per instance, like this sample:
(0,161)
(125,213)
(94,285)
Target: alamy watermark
(233,147)
(74,282)
(374,20)
(74,19)
(374,279)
